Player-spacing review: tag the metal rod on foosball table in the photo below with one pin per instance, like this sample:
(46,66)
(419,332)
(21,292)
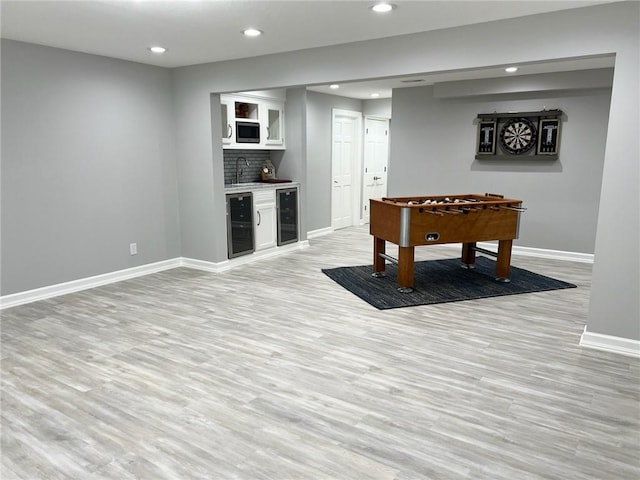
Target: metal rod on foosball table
(388,257)
(515,209)
(485,251)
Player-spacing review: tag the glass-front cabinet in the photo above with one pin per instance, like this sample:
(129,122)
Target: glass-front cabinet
(227,120)
(274,124)
(251,122)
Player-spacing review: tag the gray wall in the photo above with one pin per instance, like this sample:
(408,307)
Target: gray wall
(433,146)
(293,162)
(377,108)
(319,115)
(88,166)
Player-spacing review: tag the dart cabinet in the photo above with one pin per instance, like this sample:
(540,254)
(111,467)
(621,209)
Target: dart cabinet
(532,135)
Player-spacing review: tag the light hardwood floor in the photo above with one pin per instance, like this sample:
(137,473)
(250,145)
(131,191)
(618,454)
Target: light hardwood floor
(273,371)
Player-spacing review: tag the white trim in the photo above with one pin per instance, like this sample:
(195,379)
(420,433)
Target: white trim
(609,343)
(516,250)
(213,267)
(244,259)
(28,296)
(544,253)
(319,232)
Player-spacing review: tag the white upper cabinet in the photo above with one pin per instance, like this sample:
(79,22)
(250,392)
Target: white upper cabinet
(252,122)
(227,120)
(274,123)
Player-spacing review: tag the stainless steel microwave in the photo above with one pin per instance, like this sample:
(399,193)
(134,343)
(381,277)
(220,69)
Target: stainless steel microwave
(247,132)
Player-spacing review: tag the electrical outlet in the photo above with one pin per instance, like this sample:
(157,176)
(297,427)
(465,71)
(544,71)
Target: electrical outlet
(133,248)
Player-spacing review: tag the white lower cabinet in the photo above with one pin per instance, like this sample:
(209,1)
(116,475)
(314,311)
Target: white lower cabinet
(264,218)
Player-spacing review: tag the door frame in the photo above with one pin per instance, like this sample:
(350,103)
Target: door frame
(356,164)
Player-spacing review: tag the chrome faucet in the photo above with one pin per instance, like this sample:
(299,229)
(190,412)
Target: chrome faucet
(239,171)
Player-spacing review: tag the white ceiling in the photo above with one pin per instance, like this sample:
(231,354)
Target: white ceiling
(383,87)
(202,31)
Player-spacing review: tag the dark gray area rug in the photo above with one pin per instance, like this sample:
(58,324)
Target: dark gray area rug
(439,281)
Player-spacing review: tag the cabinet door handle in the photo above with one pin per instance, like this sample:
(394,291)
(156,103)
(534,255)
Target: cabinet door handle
(230,130)
(259,218)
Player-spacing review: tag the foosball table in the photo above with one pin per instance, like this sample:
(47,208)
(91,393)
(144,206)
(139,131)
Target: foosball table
(413,221)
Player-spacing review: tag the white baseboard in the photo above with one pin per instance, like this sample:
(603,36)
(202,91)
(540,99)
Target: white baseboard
(320,232)
(608,343)
(217,267)
(515,250)
(543,253)
(28,296)
(203,265)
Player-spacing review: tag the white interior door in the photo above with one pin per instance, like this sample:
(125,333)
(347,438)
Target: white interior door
(376,161)
(345,159)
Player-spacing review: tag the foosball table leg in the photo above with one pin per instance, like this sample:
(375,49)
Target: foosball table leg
(379,265)
(503,261)
(468,255)
(405,269)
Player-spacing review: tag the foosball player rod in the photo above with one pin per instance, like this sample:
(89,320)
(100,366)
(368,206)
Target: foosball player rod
(432,212)
(435,212)
(515,209)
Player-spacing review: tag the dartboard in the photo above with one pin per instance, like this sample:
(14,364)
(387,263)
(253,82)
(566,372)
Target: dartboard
(518,135)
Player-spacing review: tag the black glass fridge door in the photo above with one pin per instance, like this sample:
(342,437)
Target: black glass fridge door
(287,215)
(239,224)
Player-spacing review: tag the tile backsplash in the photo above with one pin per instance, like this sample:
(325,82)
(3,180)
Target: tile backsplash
(251,173)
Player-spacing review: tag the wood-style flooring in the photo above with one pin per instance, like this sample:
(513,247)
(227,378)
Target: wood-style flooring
(273,371)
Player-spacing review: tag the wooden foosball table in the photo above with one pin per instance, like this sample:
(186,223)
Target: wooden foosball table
(412,221)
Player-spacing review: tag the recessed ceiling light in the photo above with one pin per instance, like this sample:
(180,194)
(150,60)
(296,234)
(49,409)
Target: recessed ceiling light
(252,32)
(334,86)
(157,49)
(383,7)
(375,95)
(511,69)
